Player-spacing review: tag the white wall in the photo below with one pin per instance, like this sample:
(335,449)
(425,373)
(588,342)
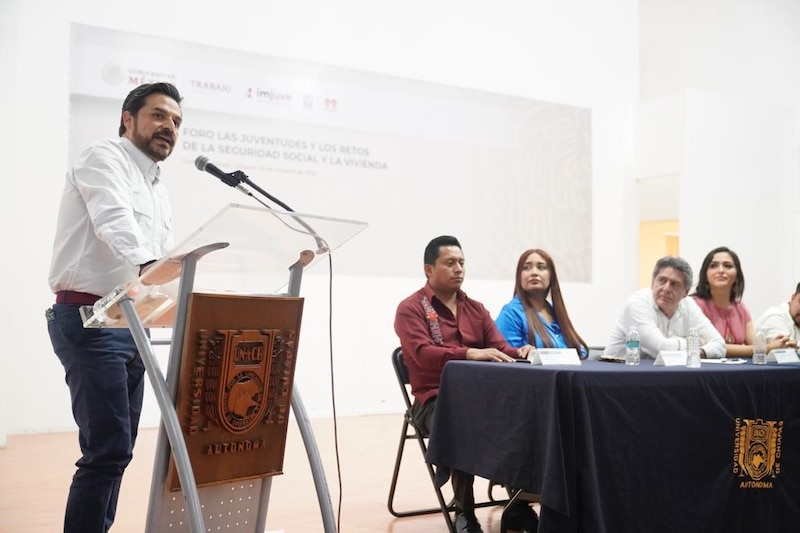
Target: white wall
(577,52)
(739,188)
(8,95)
(746,49)
(721,101)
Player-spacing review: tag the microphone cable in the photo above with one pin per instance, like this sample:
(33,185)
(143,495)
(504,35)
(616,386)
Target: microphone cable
(235,180)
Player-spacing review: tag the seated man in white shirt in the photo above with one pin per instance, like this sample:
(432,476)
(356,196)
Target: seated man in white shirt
(782,319)
(664,316)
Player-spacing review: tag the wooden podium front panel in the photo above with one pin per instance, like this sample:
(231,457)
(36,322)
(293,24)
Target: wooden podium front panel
(235,385)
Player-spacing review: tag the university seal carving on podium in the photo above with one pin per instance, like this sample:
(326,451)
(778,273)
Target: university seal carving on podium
(757,451)
(235,387)
(239,363)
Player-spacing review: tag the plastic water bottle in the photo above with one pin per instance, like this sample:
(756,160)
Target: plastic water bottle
(693,350)
(632,347)
(759,348)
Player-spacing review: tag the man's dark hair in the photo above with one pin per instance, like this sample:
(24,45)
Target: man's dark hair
(136,98)
(432,250)
(797,290)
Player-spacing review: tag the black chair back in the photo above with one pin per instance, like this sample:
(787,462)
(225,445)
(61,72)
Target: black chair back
(411,431)
(401,372)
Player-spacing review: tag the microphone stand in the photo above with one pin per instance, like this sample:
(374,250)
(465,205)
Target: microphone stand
(236,178)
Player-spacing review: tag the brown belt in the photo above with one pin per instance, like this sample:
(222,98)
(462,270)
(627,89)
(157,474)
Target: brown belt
(76,298)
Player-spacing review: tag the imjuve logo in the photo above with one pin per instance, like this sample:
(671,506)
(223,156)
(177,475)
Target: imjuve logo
(757,452)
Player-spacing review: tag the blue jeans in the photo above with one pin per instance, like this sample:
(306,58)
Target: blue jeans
(105,375)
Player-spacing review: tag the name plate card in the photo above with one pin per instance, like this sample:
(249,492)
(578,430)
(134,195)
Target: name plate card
(671,358)
(555,356)
(783,355)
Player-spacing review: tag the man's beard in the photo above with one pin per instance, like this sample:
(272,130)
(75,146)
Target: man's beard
(152,146)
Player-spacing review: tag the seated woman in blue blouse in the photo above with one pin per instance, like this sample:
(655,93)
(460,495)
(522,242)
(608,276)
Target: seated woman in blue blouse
(530,311)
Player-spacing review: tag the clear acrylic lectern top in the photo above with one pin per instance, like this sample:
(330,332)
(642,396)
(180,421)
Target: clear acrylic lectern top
(244,250)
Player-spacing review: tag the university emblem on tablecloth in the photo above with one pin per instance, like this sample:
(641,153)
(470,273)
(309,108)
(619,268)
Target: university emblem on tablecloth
(757,452)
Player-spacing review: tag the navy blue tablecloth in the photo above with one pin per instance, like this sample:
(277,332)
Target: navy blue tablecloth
(615,448)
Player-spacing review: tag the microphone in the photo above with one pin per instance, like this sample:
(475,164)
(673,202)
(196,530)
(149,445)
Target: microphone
(233,179)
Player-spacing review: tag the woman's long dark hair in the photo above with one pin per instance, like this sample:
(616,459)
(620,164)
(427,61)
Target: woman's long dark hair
(703,290)
(560,314)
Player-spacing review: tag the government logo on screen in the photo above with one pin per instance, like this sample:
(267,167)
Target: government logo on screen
(757,452)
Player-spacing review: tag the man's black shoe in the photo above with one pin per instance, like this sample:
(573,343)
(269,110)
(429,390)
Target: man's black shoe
(467,523)
(520,517)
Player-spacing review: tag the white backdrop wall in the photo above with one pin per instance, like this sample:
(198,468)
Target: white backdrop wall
(577,52)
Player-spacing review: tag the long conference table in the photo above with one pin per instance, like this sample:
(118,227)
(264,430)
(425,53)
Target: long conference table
(615,448)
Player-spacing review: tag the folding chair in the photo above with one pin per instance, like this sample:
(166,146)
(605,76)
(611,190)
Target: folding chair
(411,431)
(518,495)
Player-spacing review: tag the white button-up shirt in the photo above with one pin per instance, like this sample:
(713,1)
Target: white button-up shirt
(114,216)
(777,321)
(658,332)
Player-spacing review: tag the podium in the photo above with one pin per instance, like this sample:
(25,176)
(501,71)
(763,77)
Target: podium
(230,293)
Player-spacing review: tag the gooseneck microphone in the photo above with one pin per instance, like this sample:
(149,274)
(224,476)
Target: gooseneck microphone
(237,178)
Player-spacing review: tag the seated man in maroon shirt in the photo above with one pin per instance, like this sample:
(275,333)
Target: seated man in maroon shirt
(439,323)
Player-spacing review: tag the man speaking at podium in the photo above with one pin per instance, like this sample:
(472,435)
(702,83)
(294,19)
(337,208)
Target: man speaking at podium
(114,221)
